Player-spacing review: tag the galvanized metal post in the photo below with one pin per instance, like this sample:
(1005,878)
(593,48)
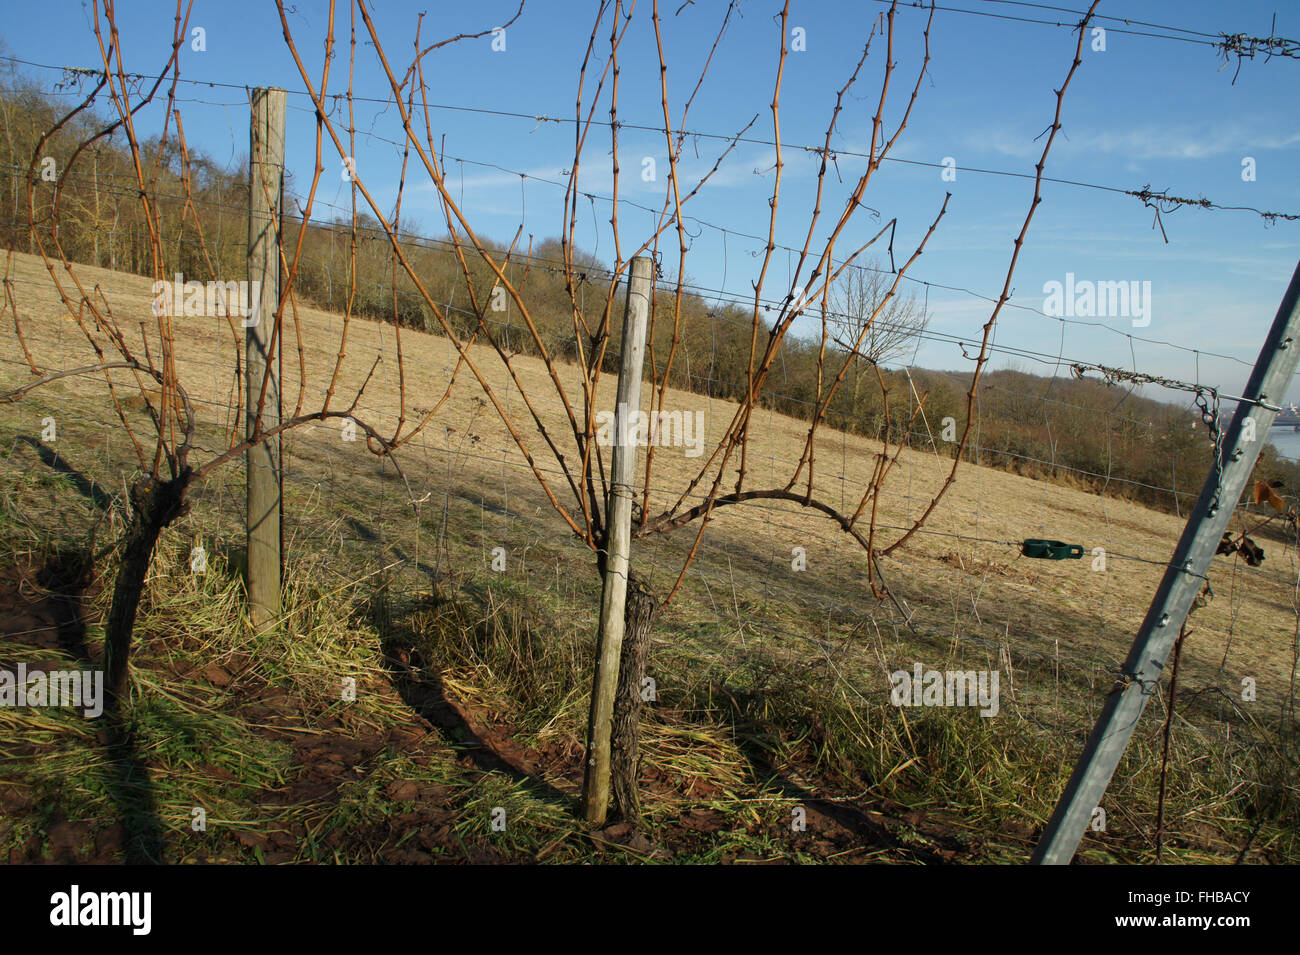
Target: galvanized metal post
(1181,584)
(618,521)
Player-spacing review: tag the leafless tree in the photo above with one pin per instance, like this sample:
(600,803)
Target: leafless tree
(863,311)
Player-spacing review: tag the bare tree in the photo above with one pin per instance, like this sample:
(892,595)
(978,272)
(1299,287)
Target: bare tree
(862,310)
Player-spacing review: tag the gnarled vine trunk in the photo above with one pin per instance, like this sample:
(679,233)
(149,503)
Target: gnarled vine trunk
(625,736)
(154,505)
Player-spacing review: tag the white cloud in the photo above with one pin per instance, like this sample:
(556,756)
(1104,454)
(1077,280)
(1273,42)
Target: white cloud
(1184,141)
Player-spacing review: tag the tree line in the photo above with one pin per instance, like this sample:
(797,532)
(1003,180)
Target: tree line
(1082,433)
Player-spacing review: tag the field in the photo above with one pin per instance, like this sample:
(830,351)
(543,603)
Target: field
(472,683)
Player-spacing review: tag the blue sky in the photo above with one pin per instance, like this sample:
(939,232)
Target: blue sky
(1145,111)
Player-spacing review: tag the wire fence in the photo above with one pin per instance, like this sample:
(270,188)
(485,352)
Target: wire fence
(770,587)
(961,590)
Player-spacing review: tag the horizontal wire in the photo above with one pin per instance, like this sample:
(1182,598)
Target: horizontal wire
(421,442)
(722,295)
(680,134)
(809,600)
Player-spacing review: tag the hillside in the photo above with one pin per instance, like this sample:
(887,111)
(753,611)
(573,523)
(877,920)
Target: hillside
(773,682)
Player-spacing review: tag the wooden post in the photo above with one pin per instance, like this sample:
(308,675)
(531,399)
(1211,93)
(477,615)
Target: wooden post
(265,181)
(618,538)
(1182,582)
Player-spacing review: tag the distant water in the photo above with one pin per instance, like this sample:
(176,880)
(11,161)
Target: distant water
(1286,441)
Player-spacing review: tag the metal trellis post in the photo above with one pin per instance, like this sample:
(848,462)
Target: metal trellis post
(1182,582)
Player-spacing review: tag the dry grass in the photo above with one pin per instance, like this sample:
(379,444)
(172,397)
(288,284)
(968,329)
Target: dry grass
(745,620)
(954,580)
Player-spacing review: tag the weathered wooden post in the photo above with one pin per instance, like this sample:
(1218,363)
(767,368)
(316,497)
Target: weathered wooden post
(265,180)
(618,538)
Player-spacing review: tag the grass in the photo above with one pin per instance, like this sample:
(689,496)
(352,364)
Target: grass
(772,686)
(746,735)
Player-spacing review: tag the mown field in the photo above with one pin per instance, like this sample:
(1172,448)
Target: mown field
(472,684)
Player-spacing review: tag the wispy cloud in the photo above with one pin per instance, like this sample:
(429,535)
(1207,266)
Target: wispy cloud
(1181,141)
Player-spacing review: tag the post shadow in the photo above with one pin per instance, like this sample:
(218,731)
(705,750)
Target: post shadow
(425,693)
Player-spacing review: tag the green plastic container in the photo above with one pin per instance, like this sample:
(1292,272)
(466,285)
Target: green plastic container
(1050,550)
